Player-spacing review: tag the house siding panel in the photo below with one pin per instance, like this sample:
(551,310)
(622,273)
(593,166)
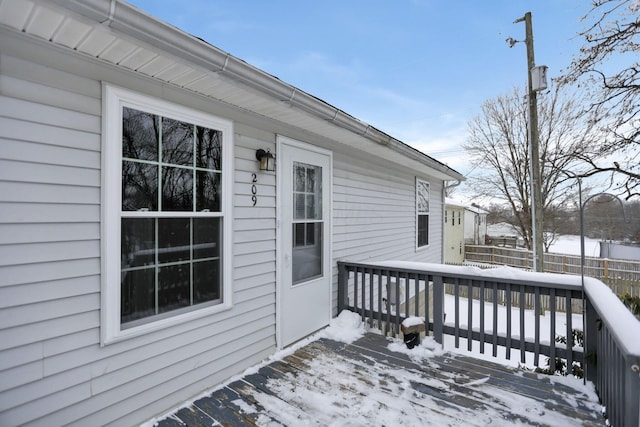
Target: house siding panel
(24,192)
(374,215)
(50,171)
(32,273)
(46,232)
(375,209)
(53,368)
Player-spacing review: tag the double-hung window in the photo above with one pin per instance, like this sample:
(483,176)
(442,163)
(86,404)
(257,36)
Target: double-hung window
(422,212)
(166,224)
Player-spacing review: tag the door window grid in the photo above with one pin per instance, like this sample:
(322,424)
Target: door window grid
(307,224)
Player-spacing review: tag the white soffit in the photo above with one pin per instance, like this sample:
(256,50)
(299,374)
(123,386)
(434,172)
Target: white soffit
(269,97)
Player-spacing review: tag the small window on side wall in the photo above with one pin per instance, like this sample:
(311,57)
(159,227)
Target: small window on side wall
(422,212)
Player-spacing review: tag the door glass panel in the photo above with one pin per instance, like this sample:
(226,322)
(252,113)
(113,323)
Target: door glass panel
(307,191)
(307,222)
(307,252)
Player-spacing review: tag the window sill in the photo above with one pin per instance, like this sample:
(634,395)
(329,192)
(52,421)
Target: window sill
(113,334)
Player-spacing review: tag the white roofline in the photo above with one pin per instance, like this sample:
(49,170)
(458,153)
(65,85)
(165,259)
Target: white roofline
(136,23)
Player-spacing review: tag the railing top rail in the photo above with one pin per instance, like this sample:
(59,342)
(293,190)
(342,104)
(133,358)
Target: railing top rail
(619,320)
(506,275)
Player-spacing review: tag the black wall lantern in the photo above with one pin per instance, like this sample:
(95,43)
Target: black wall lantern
(266,159)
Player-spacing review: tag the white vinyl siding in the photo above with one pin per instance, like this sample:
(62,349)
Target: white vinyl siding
(53,370)
(374,215)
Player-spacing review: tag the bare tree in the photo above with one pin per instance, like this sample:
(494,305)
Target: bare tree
(498,145)
(608,72)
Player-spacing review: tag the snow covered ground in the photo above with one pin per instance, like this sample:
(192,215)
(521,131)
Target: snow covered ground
(570,245)
(545,330)
(342,402)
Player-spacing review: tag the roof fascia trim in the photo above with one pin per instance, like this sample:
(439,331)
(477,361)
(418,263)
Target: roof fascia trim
(135,23)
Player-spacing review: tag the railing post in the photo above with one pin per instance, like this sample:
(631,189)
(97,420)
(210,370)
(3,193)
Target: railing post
(590,342)
(343,280)
(438,309)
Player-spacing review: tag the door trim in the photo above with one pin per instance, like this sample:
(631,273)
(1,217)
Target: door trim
(281,141)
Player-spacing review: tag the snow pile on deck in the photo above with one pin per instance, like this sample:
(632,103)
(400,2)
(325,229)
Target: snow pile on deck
(347,328)
(428,348)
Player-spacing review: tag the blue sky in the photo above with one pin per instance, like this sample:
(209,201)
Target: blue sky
(416,69)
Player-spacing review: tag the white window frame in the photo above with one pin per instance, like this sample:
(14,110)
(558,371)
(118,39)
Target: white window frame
(419,183)
(114,99)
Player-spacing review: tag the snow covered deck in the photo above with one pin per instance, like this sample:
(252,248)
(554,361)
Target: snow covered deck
(375,381)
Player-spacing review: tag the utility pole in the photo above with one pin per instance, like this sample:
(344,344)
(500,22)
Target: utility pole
(537,219)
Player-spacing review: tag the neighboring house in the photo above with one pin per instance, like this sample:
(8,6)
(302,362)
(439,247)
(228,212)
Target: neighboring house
(144,256)
(454,227)
(616,250)
(475,225)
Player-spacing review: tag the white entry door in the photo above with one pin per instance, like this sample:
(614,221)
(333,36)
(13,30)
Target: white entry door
(304,236)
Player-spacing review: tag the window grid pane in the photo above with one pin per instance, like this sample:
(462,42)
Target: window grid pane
(169,263)
(423,230)
(170,167)
(165,264)
(422,212)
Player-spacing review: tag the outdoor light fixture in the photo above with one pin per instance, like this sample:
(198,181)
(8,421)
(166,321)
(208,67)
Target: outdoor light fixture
(266,159)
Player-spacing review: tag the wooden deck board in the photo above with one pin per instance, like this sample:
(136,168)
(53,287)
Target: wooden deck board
(466,390)
(464,370)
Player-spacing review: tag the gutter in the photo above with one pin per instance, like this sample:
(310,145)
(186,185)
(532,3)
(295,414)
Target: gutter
(127,19)
(454,184)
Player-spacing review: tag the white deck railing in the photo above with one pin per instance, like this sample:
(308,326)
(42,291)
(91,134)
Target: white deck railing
(385,293)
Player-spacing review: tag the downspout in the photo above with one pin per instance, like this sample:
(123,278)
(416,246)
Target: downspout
(447,187)
(442,224)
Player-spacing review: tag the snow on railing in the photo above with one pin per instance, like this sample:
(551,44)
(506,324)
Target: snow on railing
(385,293)
(613,336)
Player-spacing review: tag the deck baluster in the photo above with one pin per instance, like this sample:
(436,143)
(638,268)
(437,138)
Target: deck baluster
(416,293)
(552,331)
(379,298)
(495,319)
(426,303)
(371,277)
(397,304)
(614,370)
(469,315)
(481,296)
(522,335)
(355,289)
(570,343)
(438,308)
(456,302)
(508,296)
(536,346)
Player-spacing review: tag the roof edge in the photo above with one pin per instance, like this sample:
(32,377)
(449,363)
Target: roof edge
(129,20)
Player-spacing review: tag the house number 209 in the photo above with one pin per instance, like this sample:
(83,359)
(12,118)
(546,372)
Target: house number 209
(254,189)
